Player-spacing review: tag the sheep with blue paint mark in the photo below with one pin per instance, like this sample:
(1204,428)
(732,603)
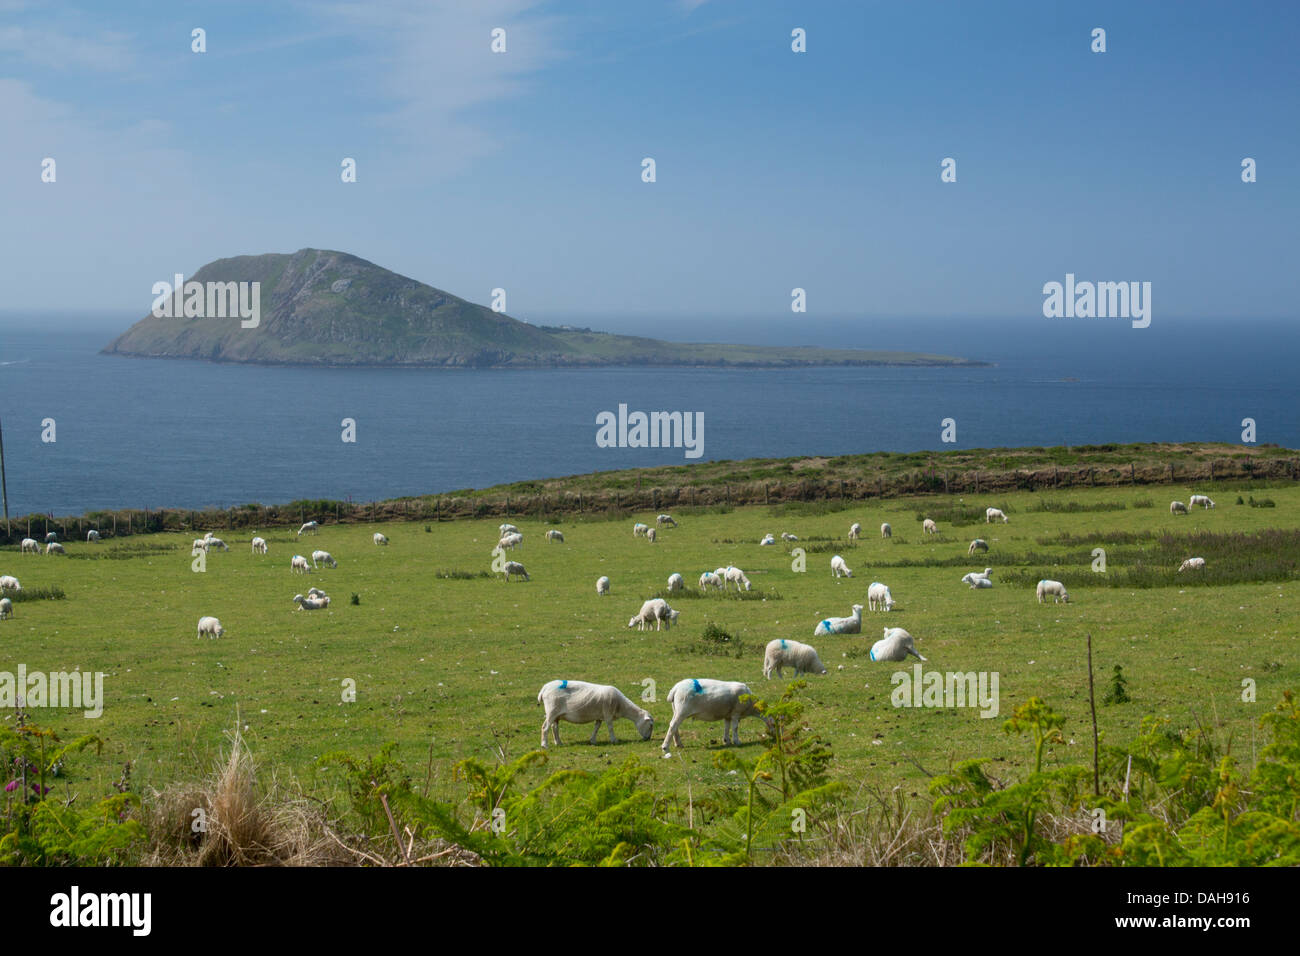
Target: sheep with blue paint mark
(699,698)
(579,702)
(841,625)
(783,653)
(894,646)
(710,580)
(879,598)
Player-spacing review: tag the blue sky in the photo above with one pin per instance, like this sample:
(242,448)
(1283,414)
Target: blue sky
(775,169)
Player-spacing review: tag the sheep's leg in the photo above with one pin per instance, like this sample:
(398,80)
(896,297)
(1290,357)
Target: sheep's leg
(673,734)
(546,725)
(594,730)
(555,730)
(609,725)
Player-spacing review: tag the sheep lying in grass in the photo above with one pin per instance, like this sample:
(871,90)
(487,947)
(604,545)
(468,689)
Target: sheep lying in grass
(855,531)
(894,646)
(666,520)
(1202,501)
(515,568)
(841,625)
(1177,508)
(54,548)
(31,545)
(9,583)
(994,514)
(767,540)
(782,653)
(976,581)
(886,531)
(260,546)
(309,526)
(6,608)
(929,527)
(92,535)
(316,593)
(602,585)
(380,539)
(979,544)
(211,627)
(1053,589)
(553,535)
(879,598)
(788,537)
(639,530)
(656,610)
(704,699)
(311,603)
(737,577)
(675,582)
(1191,564)
(580,703)
(710,580)
(839,569)
(299,565)
(323,557)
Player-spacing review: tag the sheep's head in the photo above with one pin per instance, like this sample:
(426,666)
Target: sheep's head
(645,725)
(632,622)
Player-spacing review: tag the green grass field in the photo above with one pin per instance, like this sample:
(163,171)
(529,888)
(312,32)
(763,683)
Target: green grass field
(459,661)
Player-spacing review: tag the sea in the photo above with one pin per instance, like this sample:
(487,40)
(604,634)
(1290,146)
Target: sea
(84,431)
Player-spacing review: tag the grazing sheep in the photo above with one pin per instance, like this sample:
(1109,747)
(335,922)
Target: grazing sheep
(886,531)
(1191,564)
(515,568)
(639,529)
(894,646)
(1177,508)
(323,557)
(211,627)
(767,539)
(788,537)
(217,543)
(657,610)
(602,585)
(650,535)
(311,603)
(200,544)
(710,580)
(704,699)
(855,531)
(553,535)
(979,544)
(782,653)
(299,565)
(976,581)
(32,545)
(510,541)
(929,527)
(992,513)
(51,537)
(839,569)
(54,548)
(737,577)
(1202,500)
(580,703)
(260,546)
(506,529)
(6,608)
(675,582)
(841,625)
(92,535)
(380,539)
(666,520)
(309,526)
(879,598)
(9,583)
(207,536)
(1055,589)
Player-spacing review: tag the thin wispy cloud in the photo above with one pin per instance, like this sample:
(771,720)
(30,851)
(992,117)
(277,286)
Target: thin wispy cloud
(49,48)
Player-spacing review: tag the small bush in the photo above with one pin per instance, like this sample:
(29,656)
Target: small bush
(356,598)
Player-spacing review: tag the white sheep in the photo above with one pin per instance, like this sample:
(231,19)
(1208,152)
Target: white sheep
(31,545)
(710,580)
(855,530)
(580,703)
(207,536)
(839,569)
(316,593)
(1054,589)
(1201,500)
(51,537)
(92,535)
(737,577)
(9,583)
(666,520)
(675,582)
(879,598)
(54,548)
(656,610)
(309,526)
(1177,508)
(299,565)
(260,546)
(380,539)
(991,513)
(767,540)
(976,581)
(199,545)
(894,646)
(1191,564)
(323,557)
(782,653)
(602,585)
(6,608)
(211,627)
(506,529)
(788,537)
(841,625)
(510,541)
(704,699)
(311,603)
(217,543)
(650,535)
(979,544)
(929,527)
(639,529)
(886,531)
(515,568)
(554,535)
